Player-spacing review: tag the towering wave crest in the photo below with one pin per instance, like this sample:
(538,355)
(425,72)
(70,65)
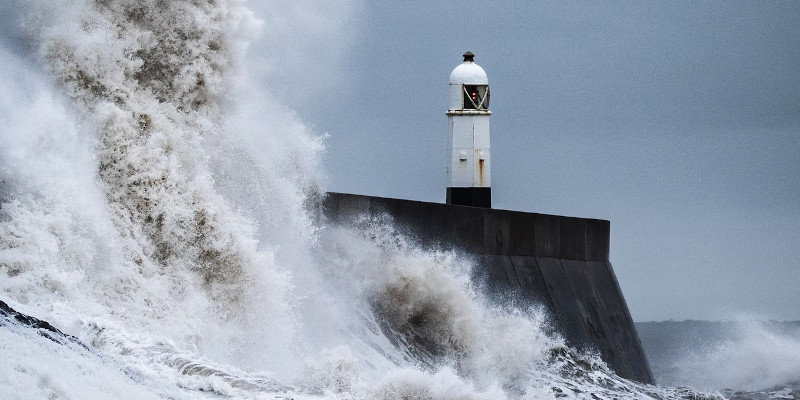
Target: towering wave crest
(143,88)
(158,208)
(150,77)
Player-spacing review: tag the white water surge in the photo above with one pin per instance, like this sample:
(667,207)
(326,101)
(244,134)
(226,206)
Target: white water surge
(159,208)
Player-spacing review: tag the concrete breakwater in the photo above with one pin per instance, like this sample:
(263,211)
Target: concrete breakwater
(558,262)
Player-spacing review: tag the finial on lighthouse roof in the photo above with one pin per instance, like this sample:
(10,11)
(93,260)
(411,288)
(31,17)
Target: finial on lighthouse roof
(469,57)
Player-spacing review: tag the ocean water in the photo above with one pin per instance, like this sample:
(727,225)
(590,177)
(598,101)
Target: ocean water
(158,207)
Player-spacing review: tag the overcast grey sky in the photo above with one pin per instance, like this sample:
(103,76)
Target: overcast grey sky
(677,121)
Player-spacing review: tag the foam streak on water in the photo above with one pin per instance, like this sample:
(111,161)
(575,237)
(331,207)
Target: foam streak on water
(157,207)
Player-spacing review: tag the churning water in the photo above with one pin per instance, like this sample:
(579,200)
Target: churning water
(156,207)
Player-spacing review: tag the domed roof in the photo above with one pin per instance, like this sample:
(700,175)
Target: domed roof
(468,72)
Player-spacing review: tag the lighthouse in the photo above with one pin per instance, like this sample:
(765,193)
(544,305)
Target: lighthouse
(469,170)
(554,262)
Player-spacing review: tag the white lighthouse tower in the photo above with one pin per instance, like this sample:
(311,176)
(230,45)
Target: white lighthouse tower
(469,170)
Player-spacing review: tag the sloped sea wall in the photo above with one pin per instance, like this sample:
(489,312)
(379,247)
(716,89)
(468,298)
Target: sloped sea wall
(527,258)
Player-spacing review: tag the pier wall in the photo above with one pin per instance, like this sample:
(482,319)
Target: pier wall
(558,262)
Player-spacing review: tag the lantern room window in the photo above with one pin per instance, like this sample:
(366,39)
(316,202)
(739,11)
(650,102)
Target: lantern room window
(476,97)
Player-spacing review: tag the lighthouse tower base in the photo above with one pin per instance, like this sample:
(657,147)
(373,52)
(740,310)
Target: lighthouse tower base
(470,196)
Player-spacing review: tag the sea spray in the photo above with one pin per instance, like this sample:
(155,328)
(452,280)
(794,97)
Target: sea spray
(426,305)
(145,84)
(151,95)
(740,355)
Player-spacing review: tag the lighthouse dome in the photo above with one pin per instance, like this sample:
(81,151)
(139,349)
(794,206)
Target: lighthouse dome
(469,87)
(468,73)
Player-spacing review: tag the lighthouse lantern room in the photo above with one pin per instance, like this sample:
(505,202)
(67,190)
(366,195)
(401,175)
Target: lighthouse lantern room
(469,171)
